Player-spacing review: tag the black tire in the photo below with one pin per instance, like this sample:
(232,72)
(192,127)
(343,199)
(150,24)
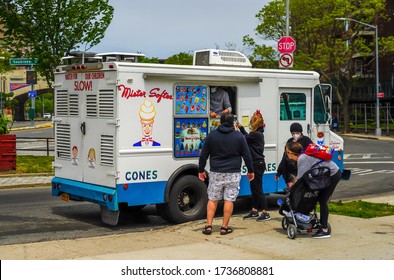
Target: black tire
(188,200)
(292,231)
(329,228)
(285,223)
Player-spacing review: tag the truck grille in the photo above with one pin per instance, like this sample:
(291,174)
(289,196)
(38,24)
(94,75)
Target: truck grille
(91,106)
(63,141)
(74,111)
(106,103)
(107,150)
(62,103)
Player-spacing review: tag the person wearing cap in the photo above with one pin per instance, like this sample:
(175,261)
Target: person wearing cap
(225,147)
(256,143)
(288,167)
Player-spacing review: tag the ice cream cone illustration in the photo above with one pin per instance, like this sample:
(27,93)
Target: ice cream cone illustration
(147,115)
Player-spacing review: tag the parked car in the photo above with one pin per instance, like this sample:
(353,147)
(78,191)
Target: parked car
(47,116)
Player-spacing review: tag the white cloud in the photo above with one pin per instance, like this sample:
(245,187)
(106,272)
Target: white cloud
(161,28)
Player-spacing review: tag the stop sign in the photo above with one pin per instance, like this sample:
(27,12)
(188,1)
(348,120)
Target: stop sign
(286,44)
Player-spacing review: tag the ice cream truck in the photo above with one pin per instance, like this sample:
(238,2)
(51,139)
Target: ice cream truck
(129,134)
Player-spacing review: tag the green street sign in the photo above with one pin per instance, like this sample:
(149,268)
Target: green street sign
(23,61)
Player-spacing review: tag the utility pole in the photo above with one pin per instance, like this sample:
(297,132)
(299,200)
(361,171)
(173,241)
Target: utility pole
(287,17)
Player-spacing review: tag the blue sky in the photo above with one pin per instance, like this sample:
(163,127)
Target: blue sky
(161,28)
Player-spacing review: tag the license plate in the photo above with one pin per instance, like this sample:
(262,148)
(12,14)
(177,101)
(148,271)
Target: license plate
(65,196)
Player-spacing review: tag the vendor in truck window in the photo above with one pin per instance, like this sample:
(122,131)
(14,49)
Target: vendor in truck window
(220,102)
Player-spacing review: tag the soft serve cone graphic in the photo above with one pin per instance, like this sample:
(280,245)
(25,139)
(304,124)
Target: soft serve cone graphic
(147,111)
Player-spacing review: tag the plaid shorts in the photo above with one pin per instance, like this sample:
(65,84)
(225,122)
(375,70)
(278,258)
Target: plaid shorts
(223,186)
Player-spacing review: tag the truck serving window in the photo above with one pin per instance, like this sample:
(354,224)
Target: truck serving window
(319,111)
(292,106)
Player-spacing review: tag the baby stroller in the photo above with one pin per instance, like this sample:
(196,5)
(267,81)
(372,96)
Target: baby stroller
(299,208)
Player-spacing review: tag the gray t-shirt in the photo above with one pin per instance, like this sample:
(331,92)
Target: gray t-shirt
(220,101)
(306,162)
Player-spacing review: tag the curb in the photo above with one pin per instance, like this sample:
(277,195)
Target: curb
(11,175)
(387,138)
(45,125)
(23,186)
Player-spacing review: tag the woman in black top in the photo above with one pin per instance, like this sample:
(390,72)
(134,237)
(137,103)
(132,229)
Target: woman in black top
(255,140)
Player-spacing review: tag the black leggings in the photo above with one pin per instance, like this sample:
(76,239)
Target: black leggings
(259,201)
(324,196)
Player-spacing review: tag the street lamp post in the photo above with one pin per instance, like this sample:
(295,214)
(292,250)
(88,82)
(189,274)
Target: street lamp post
(2,89)
(287,17)
(378,131)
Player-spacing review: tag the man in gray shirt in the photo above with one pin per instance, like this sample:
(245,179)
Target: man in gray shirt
(220,102)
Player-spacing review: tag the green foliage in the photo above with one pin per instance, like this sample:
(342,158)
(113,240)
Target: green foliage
(5,125)
(361,209)
(49,29)
(34,164)
(149,60)
(4,61)
(180,59)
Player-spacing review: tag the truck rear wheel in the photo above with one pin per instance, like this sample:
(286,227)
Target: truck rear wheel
(188,200)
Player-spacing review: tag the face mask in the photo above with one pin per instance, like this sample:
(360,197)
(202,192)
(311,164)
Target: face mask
(296,136)
(213,90)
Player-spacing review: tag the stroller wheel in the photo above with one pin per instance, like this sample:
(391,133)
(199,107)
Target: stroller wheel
(285,223)
(291,231)
(329,228)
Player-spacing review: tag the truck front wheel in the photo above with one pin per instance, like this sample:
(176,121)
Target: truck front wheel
(188,200)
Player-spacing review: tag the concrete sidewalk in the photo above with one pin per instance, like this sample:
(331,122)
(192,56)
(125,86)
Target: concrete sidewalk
(351,239)
(12,181)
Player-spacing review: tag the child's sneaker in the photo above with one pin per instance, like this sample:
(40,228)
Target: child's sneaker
(264,217)
(251,214)
(321,234)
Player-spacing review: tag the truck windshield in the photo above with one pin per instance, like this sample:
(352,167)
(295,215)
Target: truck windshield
(319,112)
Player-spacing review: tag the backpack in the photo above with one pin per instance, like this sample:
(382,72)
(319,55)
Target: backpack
(317,178)
(319,151)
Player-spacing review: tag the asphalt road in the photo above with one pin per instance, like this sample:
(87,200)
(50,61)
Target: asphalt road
(33,215)
(372,164)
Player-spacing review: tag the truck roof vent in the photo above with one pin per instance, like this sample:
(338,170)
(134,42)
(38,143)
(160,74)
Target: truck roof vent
(79,57)
(120,56)
(212,57)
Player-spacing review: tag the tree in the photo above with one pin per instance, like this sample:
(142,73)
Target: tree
(49,29)
(180,59)
(320,38)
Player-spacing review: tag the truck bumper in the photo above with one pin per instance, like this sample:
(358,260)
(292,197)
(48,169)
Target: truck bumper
(79,191)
